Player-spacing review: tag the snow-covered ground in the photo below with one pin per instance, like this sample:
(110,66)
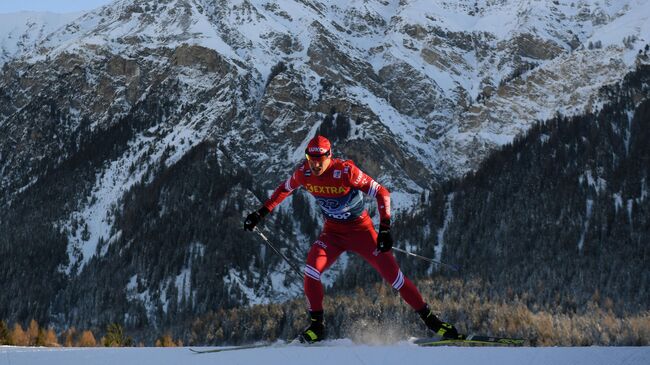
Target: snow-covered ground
(339,352)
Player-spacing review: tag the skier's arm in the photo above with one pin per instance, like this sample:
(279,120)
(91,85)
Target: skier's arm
(372,188)
(282,191)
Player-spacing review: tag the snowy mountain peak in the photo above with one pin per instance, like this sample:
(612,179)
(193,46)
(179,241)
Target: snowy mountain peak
(127,24)
(19,32)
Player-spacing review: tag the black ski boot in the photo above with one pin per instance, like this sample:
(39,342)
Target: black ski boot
(316,330)
(446,330)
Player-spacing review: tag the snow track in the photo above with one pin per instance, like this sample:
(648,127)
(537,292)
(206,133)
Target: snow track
(339,352)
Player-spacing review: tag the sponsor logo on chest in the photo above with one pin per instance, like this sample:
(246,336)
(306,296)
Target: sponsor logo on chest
(321,189)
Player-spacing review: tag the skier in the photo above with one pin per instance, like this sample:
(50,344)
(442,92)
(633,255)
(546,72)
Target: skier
(337,185)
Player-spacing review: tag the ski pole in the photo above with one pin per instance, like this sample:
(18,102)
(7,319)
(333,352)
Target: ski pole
(285,258)
(451,266)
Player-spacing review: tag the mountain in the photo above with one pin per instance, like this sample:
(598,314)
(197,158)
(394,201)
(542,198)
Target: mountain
(19,32)
(134,138)
(561,212)
(380,54)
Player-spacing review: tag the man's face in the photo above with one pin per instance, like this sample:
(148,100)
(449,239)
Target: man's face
(318,165)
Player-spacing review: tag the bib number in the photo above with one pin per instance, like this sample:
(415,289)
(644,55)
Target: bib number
(341,216)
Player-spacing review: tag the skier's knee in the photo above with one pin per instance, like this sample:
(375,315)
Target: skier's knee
(311,272)
(398,283)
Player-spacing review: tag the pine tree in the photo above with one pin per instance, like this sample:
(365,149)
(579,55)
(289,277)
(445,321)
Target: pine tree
(87,339)
(51,339)
(40,338)
(115,337)
(166,341)
(33,333)
(18,336)
(5,335)
(68,337)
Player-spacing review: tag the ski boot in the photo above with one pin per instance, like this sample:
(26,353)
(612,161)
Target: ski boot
(446,330)
(316,330)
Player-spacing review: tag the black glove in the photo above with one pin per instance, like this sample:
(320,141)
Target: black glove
(254,218)
(384,239)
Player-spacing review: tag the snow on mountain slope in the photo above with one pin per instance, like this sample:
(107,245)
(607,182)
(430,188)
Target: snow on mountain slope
(461,52)
(542,92)
(340,352)
(21,31)
(126,24)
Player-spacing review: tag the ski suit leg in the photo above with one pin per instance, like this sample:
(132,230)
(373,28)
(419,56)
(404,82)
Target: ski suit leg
(364,243)
(321,256)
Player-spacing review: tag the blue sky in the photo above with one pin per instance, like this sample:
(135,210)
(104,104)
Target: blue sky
(56,6)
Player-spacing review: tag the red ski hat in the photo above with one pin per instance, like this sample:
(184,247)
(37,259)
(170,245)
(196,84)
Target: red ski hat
(319,146)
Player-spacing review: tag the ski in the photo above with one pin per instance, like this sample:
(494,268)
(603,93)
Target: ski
(277,344)
(233,348)
(472,340)
(280,343)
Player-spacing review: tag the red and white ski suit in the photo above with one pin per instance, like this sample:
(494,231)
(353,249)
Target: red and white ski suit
(347,226)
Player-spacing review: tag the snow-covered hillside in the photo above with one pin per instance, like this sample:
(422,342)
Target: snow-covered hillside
(445,81)
(21,31)
(340,353)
